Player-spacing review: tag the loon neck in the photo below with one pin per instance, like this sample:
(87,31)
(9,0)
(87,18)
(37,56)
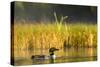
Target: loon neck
(51,53)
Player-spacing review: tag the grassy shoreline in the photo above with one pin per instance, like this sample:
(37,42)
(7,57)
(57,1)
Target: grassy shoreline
(33,36)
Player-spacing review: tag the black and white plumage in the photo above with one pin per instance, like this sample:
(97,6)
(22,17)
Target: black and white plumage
(51,56)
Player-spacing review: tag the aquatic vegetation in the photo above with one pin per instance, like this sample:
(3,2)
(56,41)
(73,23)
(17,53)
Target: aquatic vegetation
(33,37)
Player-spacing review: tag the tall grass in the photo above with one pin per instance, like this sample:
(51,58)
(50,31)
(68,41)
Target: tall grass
(33,37)
(59,22)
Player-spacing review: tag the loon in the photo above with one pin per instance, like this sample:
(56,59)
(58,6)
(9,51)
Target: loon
(43,57)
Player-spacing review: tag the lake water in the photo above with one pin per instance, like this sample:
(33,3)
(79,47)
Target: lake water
(63,55)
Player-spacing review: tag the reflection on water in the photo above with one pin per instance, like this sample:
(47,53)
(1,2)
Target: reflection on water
(63,55)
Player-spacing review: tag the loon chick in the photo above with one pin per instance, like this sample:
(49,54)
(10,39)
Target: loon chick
(43,57)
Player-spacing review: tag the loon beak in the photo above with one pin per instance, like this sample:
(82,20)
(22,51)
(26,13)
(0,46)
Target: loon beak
(56,49)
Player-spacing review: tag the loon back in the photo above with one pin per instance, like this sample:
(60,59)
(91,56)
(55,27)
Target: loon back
(36,57)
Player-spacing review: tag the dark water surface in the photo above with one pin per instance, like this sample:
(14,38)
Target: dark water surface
(63,55)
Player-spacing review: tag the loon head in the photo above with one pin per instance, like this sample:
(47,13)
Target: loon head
(52,50)
(52,55)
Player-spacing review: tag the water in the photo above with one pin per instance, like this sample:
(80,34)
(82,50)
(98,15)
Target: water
(63,55)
